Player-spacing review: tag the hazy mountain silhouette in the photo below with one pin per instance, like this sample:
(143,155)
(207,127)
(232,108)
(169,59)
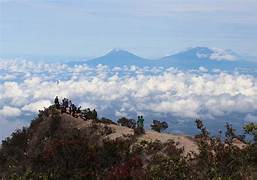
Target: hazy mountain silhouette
(117,57)
(192,58)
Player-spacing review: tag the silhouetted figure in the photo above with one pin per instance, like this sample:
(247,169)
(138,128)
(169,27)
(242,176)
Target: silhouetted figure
(73,109)
(56,102)
(138,119)
(89,114)
(63,101)
(141,122)
(69,106)
(65,104)
(94,115)
(140,126)
(79,110)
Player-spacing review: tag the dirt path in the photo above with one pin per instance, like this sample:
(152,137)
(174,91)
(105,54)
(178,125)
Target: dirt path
(183,141)
(120,131)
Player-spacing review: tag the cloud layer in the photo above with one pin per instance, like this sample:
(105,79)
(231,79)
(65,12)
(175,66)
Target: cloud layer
(218,55)
(128,91)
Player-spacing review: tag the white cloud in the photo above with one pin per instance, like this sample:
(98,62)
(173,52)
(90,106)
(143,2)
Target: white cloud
(181,107)
(202,55)
(7,77)
(8,111)
(36,106)
(121,114)
(251,118)
(217,54)
(129,91)
(203,69)
(167,91)
(221,54)
(216,70)
(11,90)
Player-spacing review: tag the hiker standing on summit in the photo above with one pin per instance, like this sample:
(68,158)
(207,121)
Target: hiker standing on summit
(56,102)
(140,122)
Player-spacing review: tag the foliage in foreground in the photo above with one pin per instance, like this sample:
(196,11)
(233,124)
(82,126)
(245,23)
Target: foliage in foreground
(59,153)
(159,126)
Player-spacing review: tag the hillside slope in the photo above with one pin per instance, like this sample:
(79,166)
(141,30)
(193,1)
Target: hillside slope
(120,131)
(59,146)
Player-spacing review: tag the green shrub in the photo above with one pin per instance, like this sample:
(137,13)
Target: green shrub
(159,126)
(130,123)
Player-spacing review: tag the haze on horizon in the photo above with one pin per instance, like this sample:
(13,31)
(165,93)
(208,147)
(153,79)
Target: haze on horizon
(148,28)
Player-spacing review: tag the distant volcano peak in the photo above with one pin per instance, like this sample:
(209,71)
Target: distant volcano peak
(191,58)
(119,57)
(198,53)
(118,51)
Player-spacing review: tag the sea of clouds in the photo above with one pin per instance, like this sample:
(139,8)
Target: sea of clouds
(179,97)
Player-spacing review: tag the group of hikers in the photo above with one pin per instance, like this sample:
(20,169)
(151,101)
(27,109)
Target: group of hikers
(140,122)
(68,107)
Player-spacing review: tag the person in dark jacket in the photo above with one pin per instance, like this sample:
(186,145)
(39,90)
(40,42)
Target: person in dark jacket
(94,115)
(79,110)
(56,102)
(138,119)
(73,109)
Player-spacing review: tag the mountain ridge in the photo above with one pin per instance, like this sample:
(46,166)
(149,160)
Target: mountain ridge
(192,58)
(63,145)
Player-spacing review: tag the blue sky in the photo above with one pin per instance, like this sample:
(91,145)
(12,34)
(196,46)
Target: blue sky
(150,28)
